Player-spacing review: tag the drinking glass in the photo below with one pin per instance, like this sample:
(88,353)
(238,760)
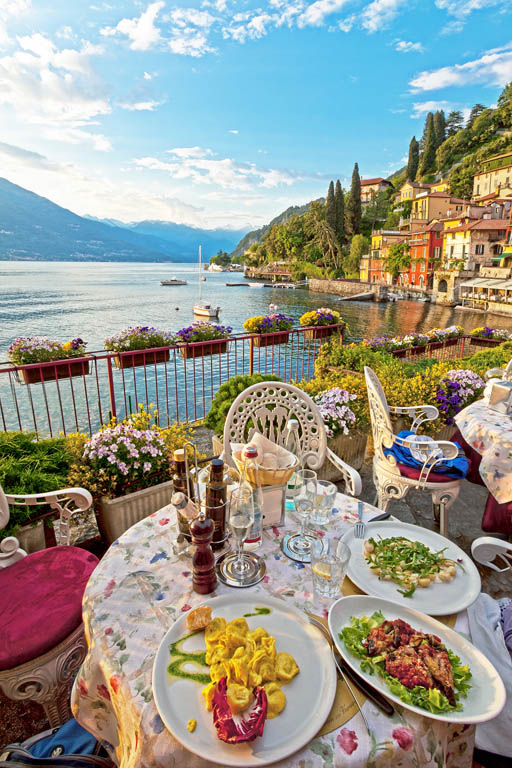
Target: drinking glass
(326,495)
(241,569)
(329,562)
(298,546)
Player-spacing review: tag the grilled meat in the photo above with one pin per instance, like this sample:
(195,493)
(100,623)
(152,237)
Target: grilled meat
(379,641)
(408,668)
(438,664)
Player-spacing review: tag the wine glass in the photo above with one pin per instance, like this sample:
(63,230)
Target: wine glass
(298,546)
(241,569)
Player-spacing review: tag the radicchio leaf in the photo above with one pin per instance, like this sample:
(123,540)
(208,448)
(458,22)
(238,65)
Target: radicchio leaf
(235,728)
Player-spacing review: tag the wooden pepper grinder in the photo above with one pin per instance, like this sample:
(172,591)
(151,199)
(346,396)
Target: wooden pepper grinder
(204,578)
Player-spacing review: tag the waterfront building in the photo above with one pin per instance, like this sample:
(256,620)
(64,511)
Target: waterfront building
(425,251)
(494,175)
(372,266)
(471,244)
(370,188)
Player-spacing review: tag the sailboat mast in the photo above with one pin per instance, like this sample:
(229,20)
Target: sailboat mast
(200,283)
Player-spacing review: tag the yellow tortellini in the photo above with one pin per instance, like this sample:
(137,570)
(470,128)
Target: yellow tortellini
(247,658)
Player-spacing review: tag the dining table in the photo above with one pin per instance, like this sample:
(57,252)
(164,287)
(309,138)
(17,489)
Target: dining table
(141,587)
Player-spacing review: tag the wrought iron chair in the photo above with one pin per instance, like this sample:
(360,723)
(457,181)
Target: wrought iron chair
(393,480)
(43,641)
(487,549)
(266,408)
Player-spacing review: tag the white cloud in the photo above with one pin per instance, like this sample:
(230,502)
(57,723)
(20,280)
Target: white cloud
(140,30)
(421,108)
(347,24)
(233,130)
(492,68)
(65,33)
(148,76)
(465,7)
(453,27)
(405,46)
(379,13)
(184,17)
(314,15)
(190,42)
(141,106)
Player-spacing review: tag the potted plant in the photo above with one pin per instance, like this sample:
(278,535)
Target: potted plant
(202,331)
(453,334)
(455,391)
(342,437)
(29,350)
(317,321)
(269,329)
(488,337)
(137,346)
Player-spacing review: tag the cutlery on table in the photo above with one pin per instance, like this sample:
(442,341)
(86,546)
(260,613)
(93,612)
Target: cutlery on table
(359,527)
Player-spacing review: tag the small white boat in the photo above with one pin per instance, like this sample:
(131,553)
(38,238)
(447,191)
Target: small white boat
(173,281)
(202,308)
(272,307)
(256,285)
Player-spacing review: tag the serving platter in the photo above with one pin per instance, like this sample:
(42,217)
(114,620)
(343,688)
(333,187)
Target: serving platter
(440,598)
(309,695)
(486,697)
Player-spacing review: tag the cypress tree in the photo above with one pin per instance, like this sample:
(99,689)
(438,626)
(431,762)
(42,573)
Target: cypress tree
(353,204)
(454,122)
(428,158)
(439,128)
(414,159)
(339,204)
(330,208)
(428,118)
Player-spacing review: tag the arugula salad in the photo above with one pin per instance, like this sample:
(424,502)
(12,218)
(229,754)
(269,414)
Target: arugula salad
(416,666)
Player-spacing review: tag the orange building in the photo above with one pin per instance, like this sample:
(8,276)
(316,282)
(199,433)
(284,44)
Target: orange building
(426,248)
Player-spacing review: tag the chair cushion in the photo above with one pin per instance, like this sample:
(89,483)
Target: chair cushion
(435,477)
(41,602)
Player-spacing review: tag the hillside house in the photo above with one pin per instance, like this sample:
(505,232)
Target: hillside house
(471,244)
(494,175)
(370,188)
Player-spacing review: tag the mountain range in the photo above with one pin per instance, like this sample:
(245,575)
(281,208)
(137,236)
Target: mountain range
(33,228)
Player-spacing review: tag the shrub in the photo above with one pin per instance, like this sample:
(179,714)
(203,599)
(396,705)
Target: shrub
(351,356)
(226,396)
(336,414)
(458,389)
(39,349)
(350,382)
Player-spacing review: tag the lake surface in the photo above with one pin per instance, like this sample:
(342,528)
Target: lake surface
(93,300)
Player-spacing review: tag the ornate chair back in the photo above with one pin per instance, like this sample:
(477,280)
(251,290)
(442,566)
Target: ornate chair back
(266,408)
(382,428)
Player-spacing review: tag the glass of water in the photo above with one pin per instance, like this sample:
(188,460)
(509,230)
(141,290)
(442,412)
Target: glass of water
(329,563)
(325,497)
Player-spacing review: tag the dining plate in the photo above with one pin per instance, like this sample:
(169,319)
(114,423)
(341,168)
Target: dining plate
(486,697)
(440,598)
(309,696)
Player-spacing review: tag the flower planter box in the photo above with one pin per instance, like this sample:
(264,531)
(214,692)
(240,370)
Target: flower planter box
(61,370)
(478,342)
(435,345)
(400,352)
(320,333)
(270,339)
(115,516)
(214,347)
(141,357)
(417,351)
(450,342)
(350,448)
(31,537)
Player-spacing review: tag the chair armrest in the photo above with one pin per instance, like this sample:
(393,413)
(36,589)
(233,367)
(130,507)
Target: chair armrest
(65,501)
(487,549)
(351,476)
(418,413)
(448,451)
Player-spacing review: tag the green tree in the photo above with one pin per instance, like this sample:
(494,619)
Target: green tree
(439,128)
(359,247)
(428,158)
(376,211)
(454,122)
(475,111)
(414,159)
(353,204)
(322,238)
(330,207)
(222,258)
(505,106)
(399,258)
(340,213)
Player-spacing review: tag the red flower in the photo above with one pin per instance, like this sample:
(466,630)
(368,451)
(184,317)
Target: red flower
(114,682)
(82,687)
(266,579)
(164,521)
(347,740)
(186,607)
(275,531)
(109,588)
(404,737)
(103,691)
(109,631)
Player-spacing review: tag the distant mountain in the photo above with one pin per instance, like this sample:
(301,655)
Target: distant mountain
(35,229)
(257,234)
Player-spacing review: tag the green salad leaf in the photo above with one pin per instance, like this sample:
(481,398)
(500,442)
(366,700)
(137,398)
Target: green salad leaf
(431,699)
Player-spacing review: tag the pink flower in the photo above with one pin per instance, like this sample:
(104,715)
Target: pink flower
(82,687)
(347,740)
(186,607)
(109,588)
(114,682)
(103,691)
(109,631)
(404,737)
(164,521)
(266,579)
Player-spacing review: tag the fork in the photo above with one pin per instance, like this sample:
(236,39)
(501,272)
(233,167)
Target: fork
(359,527)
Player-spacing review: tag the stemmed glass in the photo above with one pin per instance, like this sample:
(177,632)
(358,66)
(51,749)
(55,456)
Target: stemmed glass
(241,569)
(298,546)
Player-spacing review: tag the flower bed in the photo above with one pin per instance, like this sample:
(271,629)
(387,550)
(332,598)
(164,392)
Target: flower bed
(342,438)
(456,390)
(203,331)
(139,340)
(29,350)
(270,329)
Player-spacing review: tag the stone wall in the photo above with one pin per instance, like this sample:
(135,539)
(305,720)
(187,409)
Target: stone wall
(340,287)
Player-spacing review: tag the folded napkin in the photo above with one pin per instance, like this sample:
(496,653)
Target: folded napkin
(457,467)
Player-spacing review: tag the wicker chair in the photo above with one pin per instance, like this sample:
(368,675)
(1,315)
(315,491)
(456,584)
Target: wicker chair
(266,408)
(393,480)
(43,641)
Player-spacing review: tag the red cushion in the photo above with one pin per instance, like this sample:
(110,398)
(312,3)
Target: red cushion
(41,602)
(497,517)
(414,474)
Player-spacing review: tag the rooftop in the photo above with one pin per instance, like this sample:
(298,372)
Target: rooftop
(377,180)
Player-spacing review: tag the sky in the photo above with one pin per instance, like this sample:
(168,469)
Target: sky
(222,113)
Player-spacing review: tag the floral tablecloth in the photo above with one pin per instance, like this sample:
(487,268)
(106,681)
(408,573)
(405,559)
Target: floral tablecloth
(490,434)
(140,587)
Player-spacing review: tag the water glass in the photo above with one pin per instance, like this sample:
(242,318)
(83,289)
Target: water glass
(329,563)
(298,546)
(326,495)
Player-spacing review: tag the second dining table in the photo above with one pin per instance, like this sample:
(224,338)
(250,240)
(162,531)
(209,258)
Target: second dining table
(141,587)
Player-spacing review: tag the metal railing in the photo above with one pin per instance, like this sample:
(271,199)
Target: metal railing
(81,394)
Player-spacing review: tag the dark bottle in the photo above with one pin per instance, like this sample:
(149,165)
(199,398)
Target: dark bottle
(204,578)
(215,502)
(180,484)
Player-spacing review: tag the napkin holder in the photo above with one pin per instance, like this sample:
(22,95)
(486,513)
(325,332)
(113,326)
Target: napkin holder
(274,506)
(500,397)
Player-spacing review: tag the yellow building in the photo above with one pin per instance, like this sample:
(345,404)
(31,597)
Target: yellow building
(472,243)
(495,175)
(436,205)
(440,186)
(409,191)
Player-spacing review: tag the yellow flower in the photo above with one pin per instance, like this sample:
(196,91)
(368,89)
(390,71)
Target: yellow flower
(67,346)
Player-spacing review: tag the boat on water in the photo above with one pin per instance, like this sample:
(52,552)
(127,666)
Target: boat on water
(173,281)
(256,285)
(203,308)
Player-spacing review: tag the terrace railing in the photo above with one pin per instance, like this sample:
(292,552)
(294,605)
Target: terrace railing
(81,394)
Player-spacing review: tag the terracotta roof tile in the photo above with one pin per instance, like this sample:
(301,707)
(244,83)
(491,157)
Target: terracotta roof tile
(378,180)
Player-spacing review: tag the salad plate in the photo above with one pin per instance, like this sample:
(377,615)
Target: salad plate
(438,599)
(309,696)
(485,697)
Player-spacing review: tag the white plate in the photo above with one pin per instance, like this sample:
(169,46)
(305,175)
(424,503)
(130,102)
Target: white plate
(486,697)
(439,598)
(309,696)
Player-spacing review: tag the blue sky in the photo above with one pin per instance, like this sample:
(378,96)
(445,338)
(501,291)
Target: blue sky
(225,112)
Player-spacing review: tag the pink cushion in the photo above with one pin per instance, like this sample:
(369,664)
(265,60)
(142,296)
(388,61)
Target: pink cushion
(41,602)
(435,477)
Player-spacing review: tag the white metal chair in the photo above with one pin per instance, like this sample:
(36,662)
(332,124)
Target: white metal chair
(487,549)
(266,408)
(393,480)
(43,641)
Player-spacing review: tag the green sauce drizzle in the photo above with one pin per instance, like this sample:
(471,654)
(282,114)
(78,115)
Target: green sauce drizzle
(259,611)
(180,657)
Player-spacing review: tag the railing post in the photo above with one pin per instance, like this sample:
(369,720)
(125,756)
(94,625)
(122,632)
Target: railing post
(111,390)
(251,355)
